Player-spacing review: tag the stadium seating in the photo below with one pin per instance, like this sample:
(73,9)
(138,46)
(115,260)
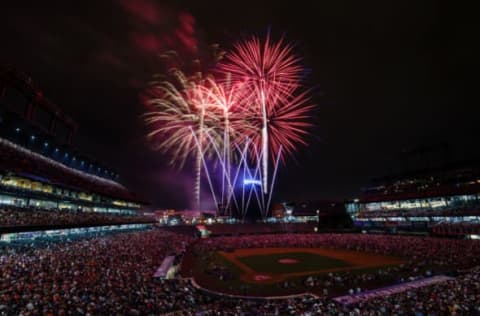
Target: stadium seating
(112,275)
(17,217)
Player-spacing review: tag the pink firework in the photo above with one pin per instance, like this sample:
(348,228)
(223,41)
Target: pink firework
(264,67)
(277,110)
(288,126)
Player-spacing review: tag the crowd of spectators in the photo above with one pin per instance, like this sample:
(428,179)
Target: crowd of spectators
(11,216)
(113,275)
(456,229)
(100,276)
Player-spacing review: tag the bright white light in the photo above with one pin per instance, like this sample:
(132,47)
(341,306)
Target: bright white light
(252,181)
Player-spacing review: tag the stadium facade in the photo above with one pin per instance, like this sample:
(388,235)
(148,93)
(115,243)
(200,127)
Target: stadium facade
(420,200)
(39,166)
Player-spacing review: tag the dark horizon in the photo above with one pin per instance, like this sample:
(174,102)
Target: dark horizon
(386,79)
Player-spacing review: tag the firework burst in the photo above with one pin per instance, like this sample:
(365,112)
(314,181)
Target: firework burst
(255,101)
(264,67)
(176,112)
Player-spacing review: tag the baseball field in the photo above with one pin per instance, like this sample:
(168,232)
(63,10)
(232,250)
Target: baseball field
(277,271)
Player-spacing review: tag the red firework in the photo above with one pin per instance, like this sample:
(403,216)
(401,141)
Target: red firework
(288,126)
(270,74)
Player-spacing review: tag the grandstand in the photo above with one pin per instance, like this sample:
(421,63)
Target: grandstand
(440,201)
(44,179)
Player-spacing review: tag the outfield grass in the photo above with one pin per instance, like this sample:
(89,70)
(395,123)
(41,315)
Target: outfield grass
(306,262)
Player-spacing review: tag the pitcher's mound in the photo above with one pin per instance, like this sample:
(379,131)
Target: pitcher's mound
(287,261)
(261,277)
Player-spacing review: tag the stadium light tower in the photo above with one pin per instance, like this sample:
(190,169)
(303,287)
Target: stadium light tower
(252,182)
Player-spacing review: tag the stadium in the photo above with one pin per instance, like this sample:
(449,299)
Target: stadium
(207,214)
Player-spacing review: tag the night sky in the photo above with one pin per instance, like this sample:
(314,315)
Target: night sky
(387,76)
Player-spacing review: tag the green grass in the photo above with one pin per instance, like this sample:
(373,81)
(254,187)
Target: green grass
(306,262)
